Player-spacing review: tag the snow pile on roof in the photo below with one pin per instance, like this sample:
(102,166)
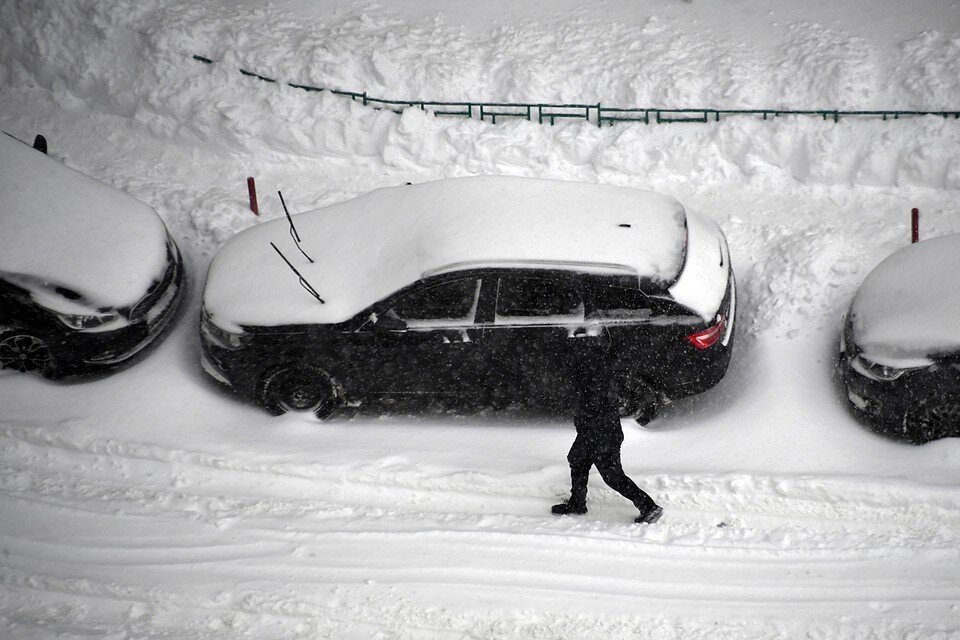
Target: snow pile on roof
(369,247)
(67,229)
(909,306)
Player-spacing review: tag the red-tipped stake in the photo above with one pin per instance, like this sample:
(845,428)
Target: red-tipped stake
(915,225)
(252,192)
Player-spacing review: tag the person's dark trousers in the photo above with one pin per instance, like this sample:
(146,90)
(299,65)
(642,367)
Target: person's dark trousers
(584,454)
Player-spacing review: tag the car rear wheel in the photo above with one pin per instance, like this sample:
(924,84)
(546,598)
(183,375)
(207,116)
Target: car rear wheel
(932,419)
(296,388)
(638,401)
(25,352)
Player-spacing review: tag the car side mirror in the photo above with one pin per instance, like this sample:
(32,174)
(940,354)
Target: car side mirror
(388,321)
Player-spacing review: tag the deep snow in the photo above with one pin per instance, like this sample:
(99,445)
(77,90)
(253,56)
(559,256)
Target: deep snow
(149,504)
(907,307)
(67,229)
(367,248)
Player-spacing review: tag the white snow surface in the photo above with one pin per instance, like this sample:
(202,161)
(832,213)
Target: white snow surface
(149,504)
(366,248)
(909,306)
(64,228)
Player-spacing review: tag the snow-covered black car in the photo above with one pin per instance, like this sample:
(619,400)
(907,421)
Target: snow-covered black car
(467,291)
(89,275)
(900,348)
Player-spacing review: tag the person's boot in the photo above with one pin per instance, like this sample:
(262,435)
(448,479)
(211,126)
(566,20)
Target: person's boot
(649,515)
(569,508)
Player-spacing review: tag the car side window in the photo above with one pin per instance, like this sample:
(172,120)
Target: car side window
(533,299)
(453,302)
(629,303)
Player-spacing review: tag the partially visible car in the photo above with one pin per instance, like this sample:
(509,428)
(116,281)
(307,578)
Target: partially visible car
(89,275)
(900,346)
(467,292)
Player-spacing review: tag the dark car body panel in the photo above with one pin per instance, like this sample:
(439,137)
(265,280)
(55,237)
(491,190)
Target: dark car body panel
(884,404)
(482,358)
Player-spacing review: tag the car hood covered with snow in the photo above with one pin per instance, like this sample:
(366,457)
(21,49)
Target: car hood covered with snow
(908,307)
(366,248)
(61,228)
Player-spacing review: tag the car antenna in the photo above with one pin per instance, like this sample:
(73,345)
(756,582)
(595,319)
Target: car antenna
(293,230)
(303,281)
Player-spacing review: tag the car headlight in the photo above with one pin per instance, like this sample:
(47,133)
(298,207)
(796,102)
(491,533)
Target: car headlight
(220,337)
(876,371)
(86,322)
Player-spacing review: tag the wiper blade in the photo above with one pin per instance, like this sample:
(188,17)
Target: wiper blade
(293,230)
(303,282)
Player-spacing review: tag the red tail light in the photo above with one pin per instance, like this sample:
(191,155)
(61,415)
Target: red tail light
(709,336)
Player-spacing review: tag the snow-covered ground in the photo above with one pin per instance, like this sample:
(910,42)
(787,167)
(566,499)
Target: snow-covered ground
(149,504)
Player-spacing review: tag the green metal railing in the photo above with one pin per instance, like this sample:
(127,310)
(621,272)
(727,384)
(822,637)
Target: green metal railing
(593,113)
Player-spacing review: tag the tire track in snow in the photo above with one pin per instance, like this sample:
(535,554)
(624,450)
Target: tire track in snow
(205,486)
(458,537)
(234,531)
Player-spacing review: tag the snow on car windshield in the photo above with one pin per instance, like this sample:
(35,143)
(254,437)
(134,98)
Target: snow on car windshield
(369,247)
(63,227)
(909,306)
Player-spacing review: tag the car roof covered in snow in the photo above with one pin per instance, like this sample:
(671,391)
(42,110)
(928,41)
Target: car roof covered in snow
(61,228)
(908,307)
(369,247)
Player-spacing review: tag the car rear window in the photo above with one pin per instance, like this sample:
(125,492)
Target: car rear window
(629,303)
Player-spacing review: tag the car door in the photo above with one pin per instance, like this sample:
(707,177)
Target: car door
(423,341)
(647,332)
(536,314)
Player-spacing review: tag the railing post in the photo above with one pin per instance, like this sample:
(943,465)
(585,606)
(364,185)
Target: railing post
(252,194)
(914,225)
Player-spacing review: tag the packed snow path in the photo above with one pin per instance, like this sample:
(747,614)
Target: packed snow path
(148,504)
(151,541)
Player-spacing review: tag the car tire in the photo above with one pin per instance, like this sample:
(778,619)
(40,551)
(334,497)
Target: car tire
(298,388)
(932,419)
(26,352)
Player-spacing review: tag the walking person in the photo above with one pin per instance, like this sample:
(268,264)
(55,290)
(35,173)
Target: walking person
(599,434)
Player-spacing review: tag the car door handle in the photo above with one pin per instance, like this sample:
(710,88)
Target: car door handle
(457,337)
(591,331)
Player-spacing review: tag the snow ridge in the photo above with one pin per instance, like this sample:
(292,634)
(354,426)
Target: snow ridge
(327,527)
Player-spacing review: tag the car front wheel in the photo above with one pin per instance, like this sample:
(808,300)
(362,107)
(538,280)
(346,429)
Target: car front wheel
(932,419)
(296,388)
(25,352)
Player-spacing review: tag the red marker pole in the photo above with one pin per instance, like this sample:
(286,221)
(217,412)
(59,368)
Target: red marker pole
(915,225)
(252,192)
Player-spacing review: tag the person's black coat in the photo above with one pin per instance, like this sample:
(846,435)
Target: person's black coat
(597,417)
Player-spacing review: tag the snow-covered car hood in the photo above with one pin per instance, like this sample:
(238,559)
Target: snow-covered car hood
(908,307)
(367,248)
(63,228)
